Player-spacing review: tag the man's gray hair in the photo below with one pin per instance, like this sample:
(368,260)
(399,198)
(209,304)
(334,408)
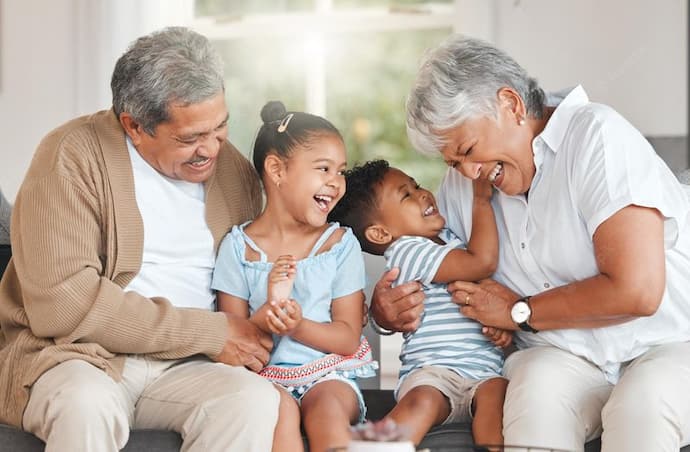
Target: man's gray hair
(171,66)
(460,80)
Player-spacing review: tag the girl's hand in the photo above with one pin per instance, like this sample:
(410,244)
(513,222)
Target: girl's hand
(281,278)
(284,317)
(500,338)
(482,188)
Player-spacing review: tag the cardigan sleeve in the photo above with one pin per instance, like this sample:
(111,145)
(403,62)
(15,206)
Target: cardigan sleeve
(59,252)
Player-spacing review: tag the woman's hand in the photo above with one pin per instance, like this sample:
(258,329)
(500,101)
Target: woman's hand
(281,278)
(283,317)
(399,308)
(500,338)
(488,302)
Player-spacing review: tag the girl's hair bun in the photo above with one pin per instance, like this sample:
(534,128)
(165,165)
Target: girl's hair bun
(273,111)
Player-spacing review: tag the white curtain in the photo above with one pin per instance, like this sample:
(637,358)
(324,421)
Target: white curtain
(104,30)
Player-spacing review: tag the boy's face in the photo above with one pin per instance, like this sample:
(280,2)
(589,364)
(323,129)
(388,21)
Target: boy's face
(405,208)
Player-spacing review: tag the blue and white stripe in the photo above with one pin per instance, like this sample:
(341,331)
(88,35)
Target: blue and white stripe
(445,337)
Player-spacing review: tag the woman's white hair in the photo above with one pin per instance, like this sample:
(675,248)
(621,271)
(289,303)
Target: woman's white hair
(459,80)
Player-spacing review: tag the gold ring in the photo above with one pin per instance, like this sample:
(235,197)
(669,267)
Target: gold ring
(467,300)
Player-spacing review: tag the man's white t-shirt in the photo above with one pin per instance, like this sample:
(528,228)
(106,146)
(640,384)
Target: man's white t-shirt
(590,163)
(178,256)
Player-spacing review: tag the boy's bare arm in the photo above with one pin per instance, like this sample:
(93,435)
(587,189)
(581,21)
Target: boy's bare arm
(480,259)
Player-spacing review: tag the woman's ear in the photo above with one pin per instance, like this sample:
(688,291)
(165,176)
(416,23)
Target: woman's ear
(509,100)
(274,168)
(378,234)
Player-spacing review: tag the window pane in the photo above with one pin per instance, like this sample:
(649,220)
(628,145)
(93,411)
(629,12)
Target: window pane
(256,71)
(229,8)
(368,79)
(392,4)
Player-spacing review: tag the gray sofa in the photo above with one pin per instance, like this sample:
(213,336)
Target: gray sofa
(456,437)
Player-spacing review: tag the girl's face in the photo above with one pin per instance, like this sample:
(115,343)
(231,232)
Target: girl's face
(313,181)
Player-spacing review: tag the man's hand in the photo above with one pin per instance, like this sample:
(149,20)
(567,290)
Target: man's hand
(399,308)
(488,302)
(246,345)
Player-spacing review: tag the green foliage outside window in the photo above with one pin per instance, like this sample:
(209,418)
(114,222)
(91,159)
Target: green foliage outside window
(368,77)
(367,85)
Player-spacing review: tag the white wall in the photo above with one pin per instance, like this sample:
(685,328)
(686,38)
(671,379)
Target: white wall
(37,87)
(56,58)
(631,54)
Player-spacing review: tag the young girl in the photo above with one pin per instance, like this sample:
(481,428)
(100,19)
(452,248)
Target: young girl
(301,279)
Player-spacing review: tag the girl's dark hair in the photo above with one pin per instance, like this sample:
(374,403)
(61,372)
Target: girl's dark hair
(283,131)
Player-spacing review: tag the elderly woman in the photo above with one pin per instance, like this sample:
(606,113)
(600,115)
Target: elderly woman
(594,269)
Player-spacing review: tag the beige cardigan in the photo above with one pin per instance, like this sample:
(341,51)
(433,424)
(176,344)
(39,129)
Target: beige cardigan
(77,240)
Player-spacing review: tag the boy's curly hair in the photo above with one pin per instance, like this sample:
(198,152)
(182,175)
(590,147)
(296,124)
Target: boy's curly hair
(358,206)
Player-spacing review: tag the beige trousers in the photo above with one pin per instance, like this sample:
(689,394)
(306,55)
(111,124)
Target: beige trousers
(556,399)
(215,407)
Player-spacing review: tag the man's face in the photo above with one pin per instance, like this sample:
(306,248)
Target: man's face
(405,208)
(186,146)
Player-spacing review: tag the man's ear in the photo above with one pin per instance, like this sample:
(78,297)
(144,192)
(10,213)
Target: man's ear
(274,168)
(378,234)
(132,128)
(510,100)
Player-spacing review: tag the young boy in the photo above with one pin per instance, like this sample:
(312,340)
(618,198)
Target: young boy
(451,365)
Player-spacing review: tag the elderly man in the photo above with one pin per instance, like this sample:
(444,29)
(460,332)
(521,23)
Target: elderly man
(107,316)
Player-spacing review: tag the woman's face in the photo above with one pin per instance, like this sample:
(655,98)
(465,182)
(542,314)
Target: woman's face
(499,150)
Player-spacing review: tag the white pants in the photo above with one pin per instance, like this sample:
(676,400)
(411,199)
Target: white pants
(215,407)
(556,399)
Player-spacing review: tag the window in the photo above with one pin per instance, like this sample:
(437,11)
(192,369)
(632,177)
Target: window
(352,61)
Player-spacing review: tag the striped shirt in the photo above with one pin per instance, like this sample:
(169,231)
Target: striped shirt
(445,337)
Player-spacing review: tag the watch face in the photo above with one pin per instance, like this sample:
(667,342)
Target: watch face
(520,312)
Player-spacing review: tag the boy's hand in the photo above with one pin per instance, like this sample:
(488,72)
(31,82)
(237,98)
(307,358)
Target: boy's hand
(283,317)
(281,278)
(500,338)
(482,188)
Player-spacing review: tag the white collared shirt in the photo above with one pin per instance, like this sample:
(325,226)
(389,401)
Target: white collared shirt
(590,163)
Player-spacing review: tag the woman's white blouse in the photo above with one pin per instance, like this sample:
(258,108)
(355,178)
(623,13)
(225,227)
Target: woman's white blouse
(590,163)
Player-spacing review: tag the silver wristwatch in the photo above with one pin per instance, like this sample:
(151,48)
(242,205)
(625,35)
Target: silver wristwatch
(521,312)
